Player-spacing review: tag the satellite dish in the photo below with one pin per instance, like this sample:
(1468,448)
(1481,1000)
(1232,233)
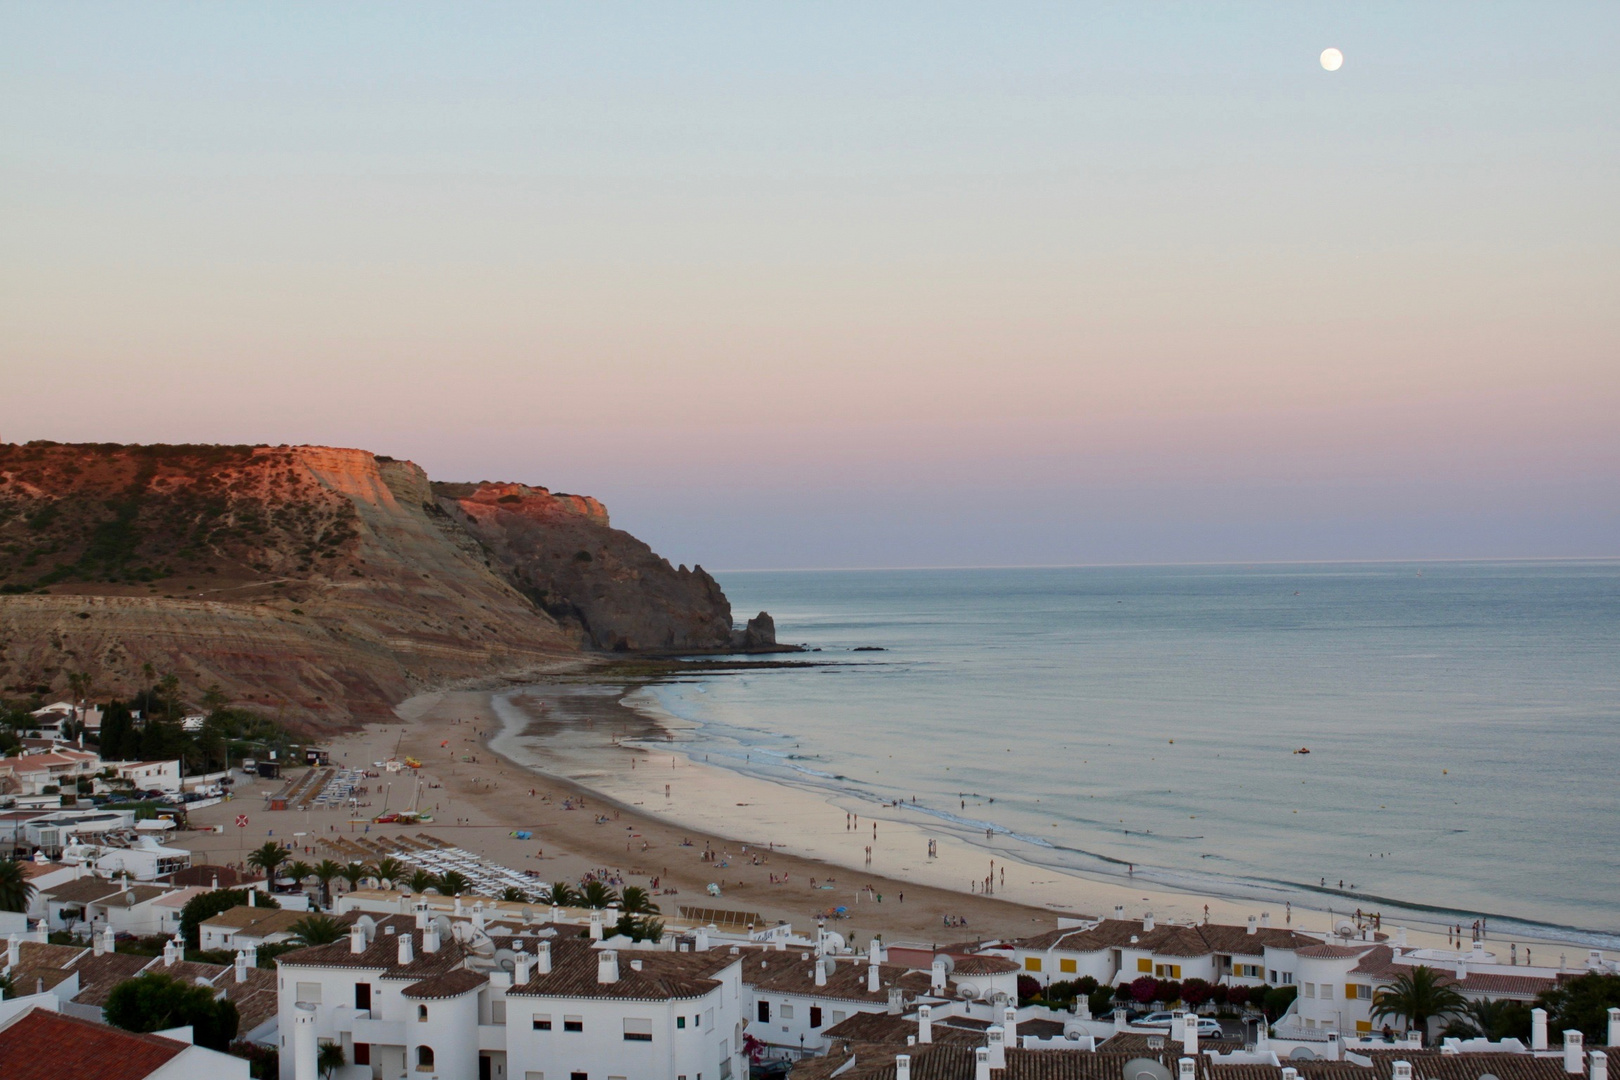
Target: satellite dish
(1345,929)
(967,991)
(447,932)
(1302,1053)
(1145,1069)
(369,925)
(528,914)
(506,959)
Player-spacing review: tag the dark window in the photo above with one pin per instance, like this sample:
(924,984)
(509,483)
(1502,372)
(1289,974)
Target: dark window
(424,1057)
(578,1076)
(542,1024)
(815,1016)
(764,1012)
(573,1025)
(362,995)
(680,1021)
(362,1053)
(638,1036)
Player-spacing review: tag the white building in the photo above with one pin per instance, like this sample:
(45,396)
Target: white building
(81,1048)
(449,1002)
(149,775)
(60,768)
(797,996)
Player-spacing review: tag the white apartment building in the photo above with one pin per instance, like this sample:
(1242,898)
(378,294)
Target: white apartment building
(797,996)
(442,1001)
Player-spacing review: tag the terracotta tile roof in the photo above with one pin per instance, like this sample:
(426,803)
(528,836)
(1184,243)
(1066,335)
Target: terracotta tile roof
(37,962)
(48,1046)
(1139,1043)
(1237,941)
(256,919)
(786,973)
(135,894)
(255,999)
(86,890)
(946,1061)
(204,874)
(882,1027)
(99,974)
(663,976)
(382,954)
(1174,941)
(1058,939)
(983,965)
(191,971)
(1168,939)
(450,984)
(1337,952)
(1378,961)
(1496,984)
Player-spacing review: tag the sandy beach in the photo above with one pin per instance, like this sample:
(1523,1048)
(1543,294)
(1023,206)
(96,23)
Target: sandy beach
(588,777)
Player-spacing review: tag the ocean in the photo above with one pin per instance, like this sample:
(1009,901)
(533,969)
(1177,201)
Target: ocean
(1462,721)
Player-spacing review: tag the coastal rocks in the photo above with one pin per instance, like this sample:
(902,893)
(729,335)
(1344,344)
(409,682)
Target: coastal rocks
(562,553)
(758,636)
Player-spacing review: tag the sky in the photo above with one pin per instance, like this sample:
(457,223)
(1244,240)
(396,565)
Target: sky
(806,285)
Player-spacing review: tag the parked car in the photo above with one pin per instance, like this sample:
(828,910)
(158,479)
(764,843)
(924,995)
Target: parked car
(1156,1020)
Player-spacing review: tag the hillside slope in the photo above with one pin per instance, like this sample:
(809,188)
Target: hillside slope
(325,584)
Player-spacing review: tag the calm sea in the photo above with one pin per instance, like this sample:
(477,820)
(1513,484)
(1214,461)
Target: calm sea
(1463,723)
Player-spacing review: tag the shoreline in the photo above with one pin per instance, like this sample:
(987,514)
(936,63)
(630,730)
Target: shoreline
(576,757)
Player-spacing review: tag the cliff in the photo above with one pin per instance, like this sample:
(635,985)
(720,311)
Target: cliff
(323,584)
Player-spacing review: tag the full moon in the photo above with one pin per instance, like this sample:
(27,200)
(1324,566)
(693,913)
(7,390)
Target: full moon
(1332,59)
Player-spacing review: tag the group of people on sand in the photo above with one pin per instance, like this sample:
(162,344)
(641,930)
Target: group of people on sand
(952,920)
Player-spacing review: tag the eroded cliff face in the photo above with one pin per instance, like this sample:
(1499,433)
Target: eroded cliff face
(561,552)
(322,584)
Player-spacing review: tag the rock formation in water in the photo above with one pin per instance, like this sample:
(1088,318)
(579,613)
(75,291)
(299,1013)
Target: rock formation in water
(321,584)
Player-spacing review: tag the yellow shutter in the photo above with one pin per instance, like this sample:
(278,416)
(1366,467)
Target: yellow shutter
(1145,964)
(1363,1027)
(1175,971)
(1068,966)
(1032,963)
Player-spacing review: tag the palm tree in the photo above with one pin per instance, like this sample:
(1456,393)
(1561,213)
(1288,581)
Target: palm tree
(15,889)
(453,883)
(329,1058)
(390,871)
(318,930)
(637,902)
(1416,996)
(514,895)
(562,894)
(325,871)
(595,894)
(1494,1020)
(421,881)
(268,857)
(356,872)
(300,872)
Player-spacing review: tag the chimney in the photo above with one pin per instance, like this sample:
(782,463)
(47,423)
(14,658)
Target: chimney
(252,897)
(902,1067)
(252,955)
(1462,969)
(925,1024)
(303,1040)
(1009,1024)
(1572,1052)
(981,1063)
(897,1001)
(430,939)
(168,954)
(871,978)
(1600,1065)
(406,953)
(874,951)
(1186,1068)
(520,966)
(1401,1070)
(821,972)
(216,882)
(936,974)
(357,939)
(607,967)
(1265,920)
(241,967)
(556,913)
(596,926)
(1335,1051)
(1252,925)
(996,1044)
(1538,1029)
(14,953)
(1614,1028)
(1290,1074)
(1147,921)
(458,903)
(1119,911)
(1119,1021)
(421,916)
(95,943)
(1189,1035)
(1400,937)
(700,940)
(542,958)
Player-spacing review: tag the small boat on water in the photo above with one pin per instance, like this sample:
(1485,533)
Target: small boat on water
(1303,750)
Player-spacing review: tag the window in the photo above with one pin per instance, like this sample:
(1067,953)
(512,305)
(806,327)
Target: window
(637,1030)
(421,1013)
(787,1011)
(815,1016)
(579,1076)
(1327,991)
(1357,992)
(542,1021)
(1287,978)
(534,1074)
(1310,1023)
(1167,971)
(1246,971)
(1310,990)
(497,1012)
(838,1016)
(424,1058)
(708,1025)
(1068,967)
(309,993)
(1032,963)
(573,1023)
(763,1011)
(1145,966)
(680,1023)
(362,1053)
(362,995)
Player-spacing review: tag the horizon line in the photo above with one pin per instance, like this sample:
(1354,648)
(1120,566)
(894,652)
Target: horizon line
(1431,560)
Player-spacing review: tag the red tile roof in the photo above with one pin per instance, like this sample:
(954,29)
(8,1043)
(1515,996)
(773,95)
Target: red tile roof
(48,1046)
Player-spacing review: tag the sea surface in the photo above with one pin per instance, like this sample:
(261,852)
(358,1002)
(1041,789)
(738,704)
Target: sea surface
(1463,723)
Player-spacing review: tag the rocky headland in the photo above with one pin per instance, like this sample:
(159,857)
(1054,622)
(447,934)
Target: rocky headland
(322,584)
